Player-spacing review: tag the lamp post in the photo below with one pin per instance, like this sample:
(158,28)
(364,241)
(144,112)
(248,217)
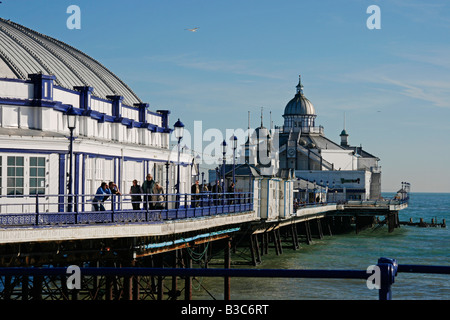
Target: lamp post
(179,130)
(167,184)
(233,140)
(224,151)
(71,124)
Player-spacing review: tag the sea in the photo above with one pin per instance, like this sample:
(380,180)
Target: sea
(351,251)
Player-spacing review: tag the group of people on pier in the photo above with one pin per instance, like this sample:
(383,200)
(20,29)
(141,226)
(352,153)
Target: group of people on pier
(200,193)
(151,194)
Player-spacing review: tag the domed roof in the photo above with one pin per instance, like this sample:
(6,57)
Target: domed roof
(24,51)
(299,105)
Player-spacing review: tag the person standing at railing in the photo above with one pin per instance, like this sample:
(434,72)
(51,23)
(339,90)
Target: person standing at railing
(136,198)
(102,194)
(231,193)
(158,197)
(217,192)
(114,191)
(205,190)
(195,197)
(147,189)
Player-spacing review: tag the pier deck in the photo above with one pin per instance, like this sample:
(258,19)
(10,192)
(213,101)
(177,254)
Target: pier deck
(161,223)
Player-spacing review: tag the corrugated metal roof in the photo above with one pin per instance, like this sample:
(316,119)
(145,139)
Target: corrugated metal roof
(26,51)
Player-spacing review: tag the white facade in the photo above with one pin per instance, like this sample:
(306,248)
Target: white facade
(341,185)
(34,142)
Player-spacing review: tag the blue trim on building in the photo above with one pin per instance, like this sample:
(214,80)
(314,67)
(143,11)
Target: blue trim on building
(43,97)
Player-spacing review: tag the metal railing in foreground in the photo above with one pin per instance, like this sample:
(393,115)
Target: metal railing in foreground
(380,276)
(34,210)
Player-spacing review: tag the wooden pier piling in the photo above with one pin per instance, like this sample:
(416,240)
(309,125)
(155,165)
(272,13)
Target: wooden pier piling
(423,224)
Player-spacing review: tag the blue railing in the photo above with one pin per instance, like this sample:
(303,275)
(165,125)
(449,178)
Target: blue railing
(387,271)
(34,210)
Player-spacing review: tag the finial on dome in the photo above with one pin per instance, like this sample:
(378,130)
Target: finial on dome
(300,86)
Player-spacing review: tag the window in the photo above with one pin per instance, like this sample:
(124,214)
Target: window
(15,176)
(37,175)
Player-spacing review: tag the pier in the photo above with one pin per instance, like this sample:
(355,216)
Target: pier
(188,230)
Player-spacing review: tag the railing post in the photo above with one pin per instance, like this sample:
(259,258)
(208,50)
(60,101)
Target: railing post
(37,209)
(112,207)
(388,269)
(76,209)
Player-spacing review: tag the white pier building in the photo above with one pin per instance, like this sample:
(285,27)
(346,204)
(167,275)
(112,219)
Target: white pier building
(342,171)
(117,136)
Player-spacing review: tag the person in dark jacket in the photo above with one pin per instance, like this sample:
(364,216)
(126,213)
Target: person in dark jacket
(136,198)
(195,197)
(147,190)
(216,191)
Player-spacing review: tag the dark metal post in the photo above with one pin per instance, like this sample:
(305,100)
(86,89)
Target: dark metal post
(174,278)
(188,279)
(167,189)
(70,183)
(227,265)
(388,269)
(223,181)
(177,204)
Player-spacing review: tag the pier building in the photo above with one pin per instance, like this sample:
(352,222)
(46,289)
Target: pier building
(346,172)
(114,136)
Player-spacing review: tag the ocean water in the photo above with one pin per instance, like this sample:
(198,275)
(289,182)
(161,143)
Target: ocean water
(408,244)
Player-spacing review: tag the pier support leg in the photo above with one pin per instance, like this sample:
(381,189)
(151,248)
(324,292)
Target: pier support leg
(392,219)
(109,288)
(24,288)
(295,243)
(37,288)
(188,280)
(135,283)
(319,229)
(173,293)
(160,285)
(128,285)
(252,249)
(227,265)
(263,243)
(308,232)
(280,246)
(258,254)
(275,242)
(266,243)
(329,226)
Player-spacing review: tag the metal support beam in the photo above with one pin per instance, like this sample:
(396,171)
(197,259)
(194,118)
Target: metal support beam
(188,279)
(227,265)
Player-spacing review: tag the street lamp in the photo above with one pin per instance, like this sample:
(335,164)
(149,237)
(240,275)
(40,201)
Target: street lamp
(224,151)
(71,124)
(233,140)
(179,131)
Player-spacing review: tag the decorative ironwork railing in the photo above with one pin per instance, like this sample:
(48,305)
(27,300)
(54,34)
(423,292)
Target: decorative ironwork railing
(26,210)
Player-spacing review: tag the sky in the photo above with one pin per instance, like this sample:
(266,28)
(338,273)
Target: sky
(392,83)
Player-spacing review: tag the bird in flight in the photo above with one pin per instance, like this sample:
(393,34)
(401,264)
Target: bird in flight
(193,29)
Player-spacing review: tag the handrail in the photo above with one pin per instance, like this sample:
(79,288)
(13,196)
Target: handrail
(90,208)
(388,270)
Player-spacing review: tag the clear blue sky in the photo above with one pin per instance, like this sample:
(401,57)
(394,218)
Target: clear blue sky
(393,84)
